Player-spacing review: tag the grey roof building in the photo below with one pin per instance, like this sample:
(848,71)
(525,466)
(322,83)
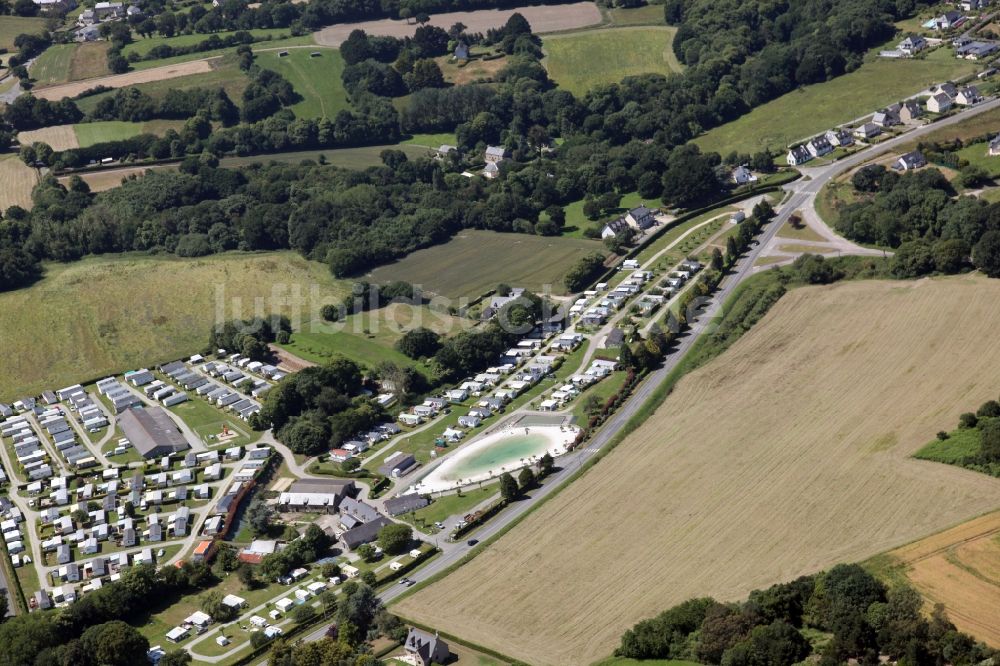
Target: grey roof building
(152,432)
(426,648)
(365,533)
(397,506)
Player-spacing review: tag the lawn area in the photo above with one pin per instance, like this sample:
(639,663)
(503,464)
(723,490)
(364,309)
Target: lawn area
(976,154)
(603,389)
(646,15)
(475,261)
(835,195)
(444,507)
(369,338)
(960,444)
(12,26)
(87,134)
(132,311)
(304,40)
(579,61)
(577,223)
(225,74)
(801,232)
(348,158)
(875,84)
(52,66)
(207,421)
(317,79)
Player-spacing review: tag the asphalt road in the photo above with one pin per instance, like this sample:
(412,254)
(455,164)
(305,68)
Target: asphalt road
(802,193)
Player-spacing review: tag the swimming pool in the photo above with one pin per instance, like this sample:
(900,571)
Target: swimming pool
(505,450)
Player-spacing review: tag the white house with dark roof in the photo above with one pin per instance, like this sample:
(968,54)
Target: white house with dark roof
(912,45)
(798,155)
(994,148)
(867,131)
(968,96)
(910,161)
(819,146)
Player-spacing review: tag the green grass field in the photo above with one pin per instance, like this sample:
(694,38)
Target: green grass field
(12,26)
(577,223)
(207,421)
(317,80)
(370,337)
(97,316)
(348,158)
(976,154)
(960,444)
(114,130)
(580,61)
(444,507)
(226,75)
(474,262)
(268,45)
(143,45)
(875,84)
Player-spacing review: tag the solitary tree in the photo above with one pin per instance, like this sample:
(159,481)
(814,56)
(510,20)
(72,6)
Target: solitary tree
(508,487)
(526,479)
(395,538)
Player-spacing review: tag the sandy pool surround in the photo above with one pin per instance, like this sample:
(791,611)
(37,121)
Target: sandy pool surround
(495,453)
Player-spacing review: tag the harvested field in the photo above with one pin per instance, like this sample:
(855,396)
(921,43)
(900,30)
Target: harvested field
(18,180)
(134,311)
(105,180)
(543,18)
(960,568)
(785,455)
(89,60)
(59,137)
(54,93)
(474,261)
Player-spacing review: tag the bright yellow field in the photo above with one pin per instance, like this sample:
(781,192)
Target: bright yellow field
(18,180)
(97,316)
(785,455)
(961,569)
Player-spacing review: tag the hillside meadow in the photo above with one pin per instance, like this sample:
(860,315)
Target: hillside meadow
(788,453)
(474,262)
(874,85)
(103,315)
(315,78)
(12,26)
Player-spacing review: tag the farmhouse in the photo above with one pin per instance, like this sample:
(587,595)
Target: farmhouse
(614,227)
(948,20)
(910,161)
(152,432)
(426,649)
(885,118)
(495,154)
(742,175)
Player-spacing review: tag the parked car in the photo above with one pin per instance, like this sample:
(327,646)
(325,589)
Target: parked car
(473,542)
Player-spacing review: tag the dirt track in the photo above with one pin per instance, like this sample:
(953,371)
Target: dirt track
(544,18)
(57,92)
(787,454)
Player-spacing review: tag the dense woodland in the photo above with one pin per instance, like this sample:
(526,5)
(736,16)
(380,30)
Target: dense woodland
(918,214)
(616,139)
(846,612)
